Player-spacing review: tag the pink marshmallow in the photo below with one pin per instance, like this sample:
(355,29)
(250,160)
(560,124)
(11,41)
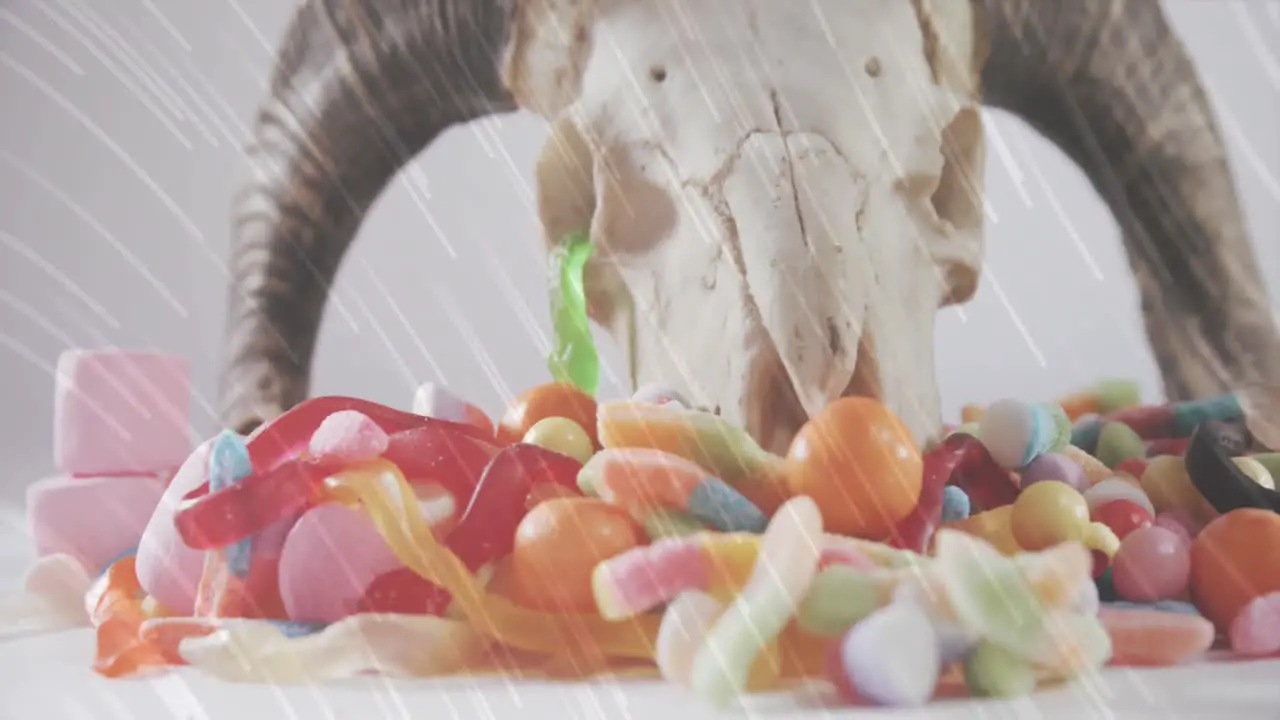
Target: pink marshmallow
(349,435)
(93,519)
(120,412)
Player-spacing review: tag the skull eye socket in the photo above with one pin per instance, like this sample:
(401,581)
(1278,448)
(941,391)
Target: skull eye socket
(657,73)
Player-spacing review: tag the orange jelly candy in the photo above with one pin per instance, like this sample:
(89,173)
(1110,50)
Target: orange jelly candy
(860,464)
(557,547)
(556,399)
(1235,559)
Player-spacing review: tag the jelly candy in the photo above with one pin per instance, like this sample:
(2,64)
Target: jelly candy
(942,464)
(1154,638)
(839,598)
(574,358)
(642,481)
(221,590)
(639,580)
(115,603)
(685,625)
(784,570)
(986,484)
(438,452)
(660,395)
(991,670)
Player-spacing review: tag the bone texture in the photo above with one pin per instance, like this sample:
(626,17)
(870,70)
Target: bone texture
(362,85)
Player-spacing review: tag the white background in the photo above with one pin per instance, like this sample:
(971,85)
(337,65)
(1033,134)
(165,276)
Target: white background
(114,210)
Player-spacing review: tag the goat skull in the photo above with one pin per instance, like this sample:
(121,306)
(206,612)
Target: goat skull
(780,200)
(782,196)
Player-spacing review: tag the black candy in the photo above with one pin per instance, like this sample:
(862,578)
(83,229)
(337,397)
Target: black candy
(1212,471)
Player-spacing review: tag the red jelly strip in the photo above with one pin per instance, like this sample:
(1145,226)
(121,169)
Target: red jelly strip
(487,528)
(436,452)
(401,591)
(1150,421)
(289,434)
(1168,446)
(207,521)
(940,465)
(1137,467)
(988,485)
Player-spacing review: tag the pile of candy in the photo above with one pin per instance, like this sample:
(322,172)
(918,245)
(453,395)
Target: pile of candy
(575,538)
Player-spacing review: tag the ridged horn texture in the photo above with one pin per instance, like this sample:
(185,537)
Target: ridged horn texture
(1110,83)
(359,88)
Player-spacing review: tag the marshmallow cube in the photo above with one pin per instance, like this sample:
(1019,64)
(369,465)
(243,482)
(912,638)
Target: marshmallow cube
(93,519)
(120,412)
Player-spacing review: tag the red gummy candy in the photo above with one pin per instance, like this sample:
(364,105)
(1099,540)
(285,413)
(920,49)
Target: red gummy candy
(1135,467)
(402,591)
(487,528)
(207,521)
(1149,421)
(988,485)
(437,452)
(288,435)
(940,464)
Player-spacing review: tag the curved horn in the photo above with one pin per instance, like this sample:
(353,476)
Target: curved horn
(359,88)
(1111,85)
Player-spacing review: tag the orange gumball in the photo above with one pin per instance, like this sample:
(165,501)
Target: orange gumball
(557,399)
(858,461)
(1235,559)
(557,547)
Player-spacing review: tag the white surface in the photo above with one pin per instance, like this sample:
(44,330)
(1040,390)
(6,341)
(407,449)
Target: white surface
(120,129)
(48,678)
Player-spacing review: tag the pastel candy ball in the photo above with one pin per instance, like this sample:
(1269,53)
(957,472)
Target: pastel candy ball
(1007,429)
(561,435)
(1054,466)
(1048,513)
(1117,488)
(992,671)
(1228,568)
(1152,564)
(1177,523)
(1256,471)
(1256,629)
(892,657)
(1169,487)
(350,436)
(1118,442)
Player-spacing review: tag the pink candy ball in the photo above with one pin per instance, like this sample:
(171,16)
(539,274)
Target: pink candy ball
(1175,524)
(1152,564)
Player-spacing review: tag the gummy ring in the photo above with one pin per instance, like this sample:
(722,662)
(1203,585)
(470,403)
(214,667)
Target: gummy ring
(1215,475)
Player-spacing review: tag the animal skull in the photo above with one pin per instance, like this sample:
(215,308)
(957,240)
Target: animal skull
(780,201)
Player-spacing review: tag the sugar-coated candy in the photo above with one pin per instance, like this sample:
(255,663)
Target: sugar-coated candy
(840,597)
(975,472)
(892,657)
(959,459)
(1049,513)
(722,449)
(665,524)
(955,504)
(784,570)
(1256,629)
(660,395)
(228,464)
(561,435)
(558,546)
(641,579)
(1228,568)
(120,412)
(1117,488)
(115,608)
(992,671)
(859,462)
(642,481)
(1154,638)
(1256,471)
(1187,416)
(349,435)
(685,624)
(222,591)
(1053,466)
(1123,516)
(93,519)
(1152,564)
(1210,465)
